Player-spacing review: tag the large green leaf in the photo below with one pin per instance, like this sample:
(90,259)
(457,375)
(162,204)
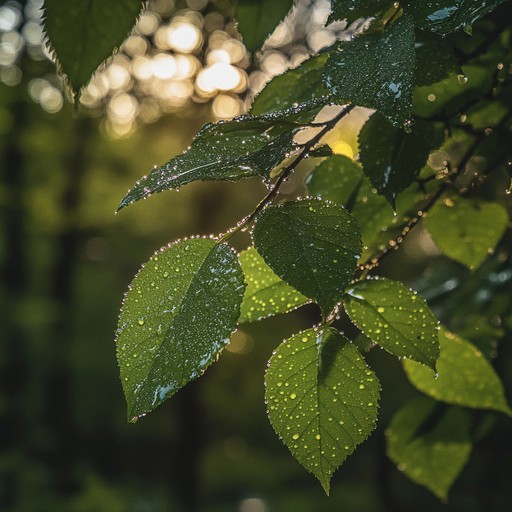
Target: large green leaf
(396,318)
(322,399)
(376,70)
(467,230)
(266,294)
(446,16)
(392,158)
(177,316)
(311,244)
(464,377)
(352,10)
(257,19)
(301,85)
(231,150)
(430,448)
(83,34)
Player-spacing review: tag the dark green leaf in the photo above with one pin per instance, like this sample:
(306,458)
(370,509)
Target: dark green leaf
(177,317)
(392,158)
(446,16)
(311,244)
(352,10)
(265,295)
(322,399)
(257,19)
(467,230)
(301,85)
(464,377)
(376,71)
(396,318)
(84,34)
(430,449)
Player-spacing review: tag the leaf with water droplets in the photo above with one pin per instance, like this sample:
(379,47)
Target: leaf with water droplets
(311,244)
(322,399)
(467,230)
(392,158)
(233,150)
(257,19)
(83,34)
(430,443)
(266,294)
(302,85)
(376,71)
(464,377)
(352,10)
(394,317)
(177,317)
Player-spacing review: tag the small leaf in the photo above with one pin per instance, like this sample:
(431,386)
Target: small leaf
(83,34)
(430,448)
(301,85)
(265,295)
(392,158)
(257,19)
(464,377)
(396,318)
(322,399)
(376,71)
(231,150)
(352,10)
(311,244)
(467,230)
(177,317)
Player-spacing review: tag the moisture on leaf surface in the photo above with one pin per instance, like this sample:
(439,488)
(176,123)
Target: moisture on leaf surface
(84,34)
(430,443)
(467,230)
(322,399)
(395,318)
(464,377)
(376,71)
(352,10)
(311,244)
(266,294)
(177,316)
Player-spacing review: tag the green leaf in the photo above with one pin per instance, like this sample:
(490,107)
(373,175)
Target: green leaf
(464,377)
(396,318)
(430,448)
(83,34)
(446,16)
(257,19)
(301,85)
(352,10)
(467,230)
(376,71)
(265,295)
(231,150)
(322,399)
(311,244)
(177,317)
(392,158)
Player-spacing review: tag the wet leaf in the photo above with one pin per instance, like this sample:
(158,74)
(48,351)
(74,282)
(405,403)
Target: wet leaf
(352,10)
(177,317)
(257,19)
(84,34)
(464,376)
(322,399)
(302,85)
(376,71)
(467,230)
(446,16)
(223,151)
(392,158)
(311,244)
(394,317)
(266,294)
(431,447)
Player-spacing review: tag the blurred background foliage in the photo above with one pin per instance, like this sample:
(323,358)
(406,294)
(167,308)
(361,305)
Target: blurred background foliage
(66,259)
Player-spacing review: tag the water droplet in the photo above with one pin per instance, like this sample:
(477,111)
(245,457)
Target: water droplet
(141,321)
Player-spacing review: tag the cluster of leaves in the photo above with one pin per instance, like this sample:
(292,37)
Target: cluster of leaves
(433,87)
